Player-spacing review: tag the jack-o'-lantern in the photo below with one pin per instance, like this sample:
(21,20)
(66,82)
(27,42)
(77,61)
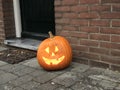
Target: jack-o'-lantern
(54,53)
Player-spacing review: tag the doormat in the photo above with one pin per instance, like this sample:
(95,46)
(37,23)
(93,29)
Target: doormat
(16,55)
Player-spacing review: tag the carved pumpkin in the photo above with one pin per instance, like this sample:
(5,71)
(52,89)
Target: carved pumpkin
(54,53)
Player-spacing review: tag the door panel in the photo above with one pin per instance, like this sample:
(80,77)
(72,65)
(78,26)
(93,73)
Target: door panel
(37,17)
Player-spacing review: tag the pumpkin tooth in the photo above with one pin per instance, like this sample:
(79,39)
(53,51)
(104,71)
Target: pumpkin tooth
(53,61)
(61,58)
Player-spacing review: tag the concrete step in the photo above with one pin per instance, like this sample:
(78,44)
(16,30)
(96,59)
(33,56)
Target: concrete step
(26,43)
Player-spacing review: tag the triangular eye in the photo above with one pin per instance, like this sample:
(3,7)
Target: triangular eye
(56,49)
(47,49)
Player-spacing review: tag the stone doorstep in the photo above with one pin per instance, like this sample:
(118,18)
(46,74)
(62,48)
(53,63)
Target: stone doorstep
(26,43)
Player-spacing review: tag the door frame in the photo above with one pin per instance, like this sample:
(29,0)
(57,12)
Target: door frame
(17,17)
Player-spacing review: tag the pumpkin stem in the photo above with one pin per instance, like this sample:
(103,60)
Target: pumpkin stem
(50,34)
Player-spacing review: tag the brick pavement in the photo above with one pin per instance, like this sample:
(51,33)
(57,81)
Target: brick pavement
(28,75)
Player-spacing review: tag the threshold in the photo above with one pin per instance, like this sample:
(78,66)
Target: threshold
(26,43)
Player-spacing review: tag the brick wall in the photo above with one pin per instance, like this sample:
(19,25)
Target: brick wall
(2,34)
(93,29)
(7,26)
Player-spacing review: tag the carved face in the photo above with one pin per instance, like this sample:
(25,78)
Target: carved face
(54,53)
(53,56)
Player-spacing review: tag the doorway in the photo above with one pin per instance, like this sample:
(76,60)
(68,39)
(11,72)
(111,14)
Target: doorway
(37,18)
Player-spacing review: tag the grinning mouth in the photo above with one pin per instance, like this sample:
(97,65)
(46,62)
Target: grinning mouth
(53,61)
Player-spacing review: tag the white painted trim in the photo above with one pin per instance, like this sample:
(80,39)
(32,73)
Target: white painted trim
(17,16)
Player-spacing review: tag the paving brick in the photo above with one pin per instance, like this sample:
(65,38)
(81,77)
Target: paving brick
(94,80)
(4,78)
(81,86)
(80,68)
(2,87)
(32,63)
(47,86)
(17,88)
(9,87)
(24,71)
(38,73)
(12,68)
(94,71)
(107,84)
(30,85)
(114,76)
(42,72)
(67,79)
(96,77)
(2,72)
(45,77)
(63,88)
(118,87)
(6,87)
(17,69)
(2,63)
(6,67)
(21,80)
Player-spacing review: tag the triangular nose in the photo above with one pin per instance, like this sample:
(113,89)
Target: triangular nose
(53,54)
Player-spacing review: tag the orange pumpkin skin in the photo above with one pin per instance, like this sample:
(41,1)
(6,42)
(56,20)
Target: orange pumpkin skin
(54,53)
